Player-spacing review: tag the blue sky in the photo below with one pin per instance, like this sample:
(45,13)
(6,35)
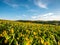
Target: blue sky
(30,9)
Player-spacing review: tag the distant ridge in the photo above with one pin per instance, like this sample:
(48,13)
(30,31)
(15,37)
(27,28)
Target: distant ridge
(54,22)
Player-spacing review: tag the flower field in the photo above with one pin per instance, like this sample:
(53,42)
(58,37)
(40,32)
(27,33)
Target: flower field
(20,33)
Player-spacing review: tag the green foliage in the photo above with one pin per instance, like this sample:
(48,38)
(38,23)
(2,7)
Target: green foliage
(27,33)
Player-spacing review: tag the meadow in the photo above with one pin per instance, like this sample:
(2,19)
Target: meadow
(27,33)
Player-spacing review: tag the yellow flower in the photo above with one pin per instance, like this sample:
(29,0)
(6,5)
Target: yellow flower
(4,33)
(5,41)
(28,43)
(58,42)
(12,30)
(0,35)
(34,33)
(46,43)
(17,38)
(42,41)
(36,36)
(27,30)
(21,34)
(26,38)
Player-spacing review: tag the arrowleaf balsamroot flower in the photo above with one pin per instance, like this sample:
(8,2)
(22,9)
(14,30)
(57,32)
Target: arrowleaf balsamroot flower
(12,30)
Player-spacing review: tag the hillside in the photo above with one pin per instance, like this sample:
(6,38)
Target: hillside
(28,33)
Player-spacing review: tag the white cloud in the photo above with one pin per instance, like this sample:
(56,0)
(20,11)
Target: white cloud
(41,4)
(34,17)
(13,4)
(48,16)
(10,3)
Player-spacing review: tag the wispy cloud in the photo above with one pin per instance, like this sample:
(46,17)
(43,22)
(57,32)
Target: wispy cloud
(48,16)
(13,4)
(10,3)
(40,4)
